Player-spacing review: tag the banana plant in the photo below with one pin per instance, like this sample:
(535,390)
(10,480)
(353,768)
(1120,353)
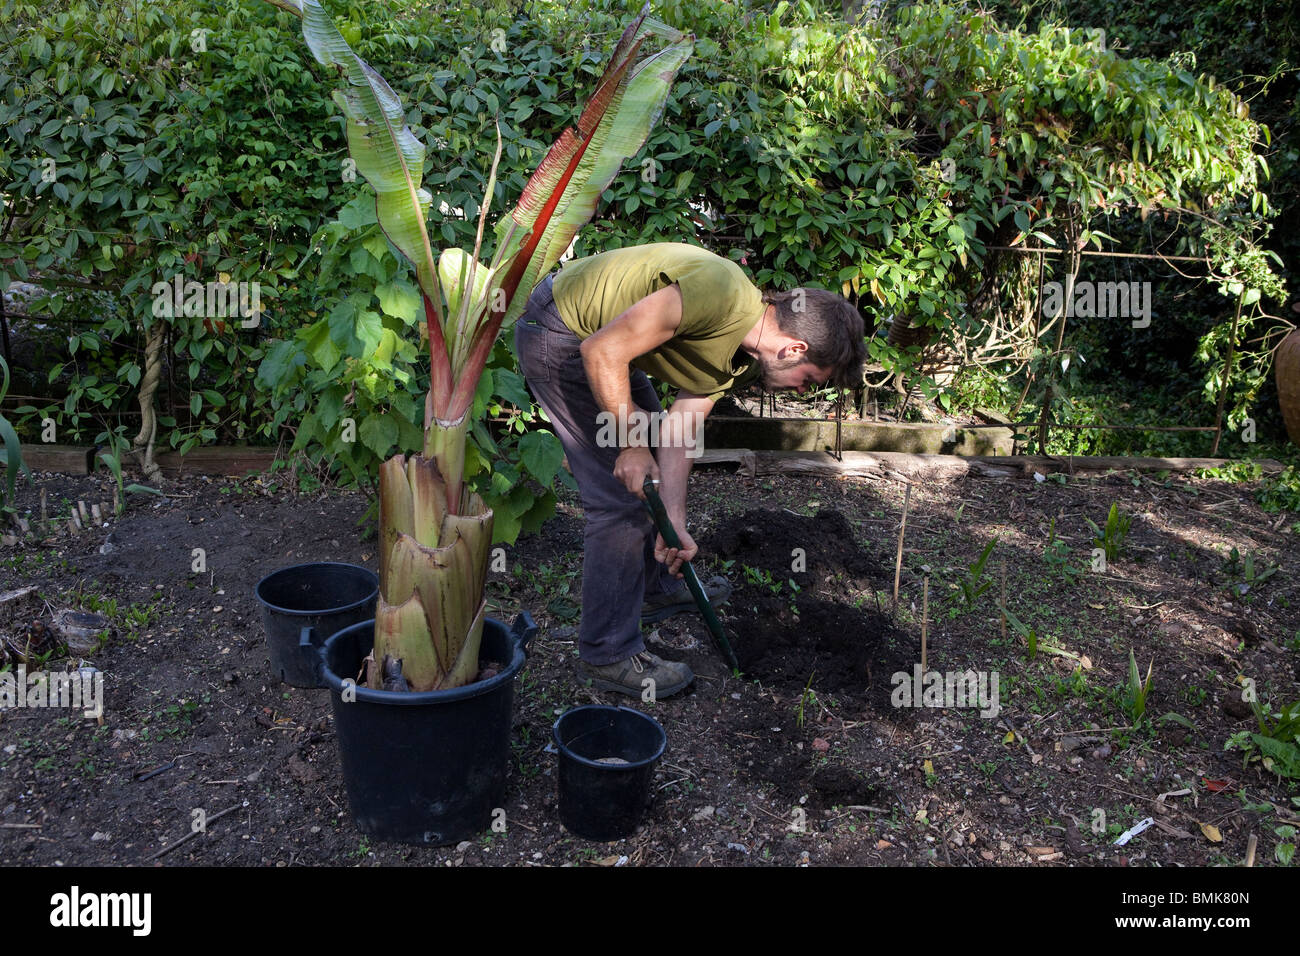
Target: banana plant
(434,531)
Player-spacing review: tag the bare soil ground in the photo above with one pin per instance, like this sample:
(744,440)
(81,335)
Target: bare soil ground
(807,759)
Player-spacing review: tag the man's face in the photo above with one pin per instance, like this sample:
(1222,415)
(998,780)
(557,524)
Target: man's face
(794,373)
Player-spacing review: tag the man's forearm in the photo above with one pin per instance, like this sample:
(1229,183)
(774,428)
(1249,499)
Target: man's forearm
(674,471)
(681,440)
(611,386)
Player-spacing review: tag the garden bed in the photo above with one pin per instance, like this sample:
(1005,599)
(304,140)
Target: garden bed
(805,759)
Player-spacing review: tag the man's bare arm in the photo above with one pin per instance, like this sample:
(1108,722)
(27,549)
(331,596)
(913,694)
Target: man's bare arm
(681,440)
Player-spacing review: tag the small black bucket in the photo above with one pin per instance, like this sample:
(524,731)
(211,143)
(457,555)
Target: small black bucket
(325,596)
(424,768)
(607,762)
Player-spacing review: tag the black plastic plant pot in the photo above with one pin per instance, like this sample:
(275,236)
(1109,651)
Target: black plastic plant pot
(607,762)
(325,596)
(423,768)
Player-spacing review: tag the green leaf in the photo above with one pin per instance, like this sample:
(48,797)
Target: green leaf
(275,369)
(541,453)
(13,458)
(506,521)
(386,152)
(320,346)
(400,300)
(510,386)
(378,432)
(143,489)
(368,330)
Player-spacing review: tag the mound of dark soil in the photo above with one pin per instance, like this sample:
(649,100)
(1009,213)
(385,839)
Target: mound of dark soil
(780,541)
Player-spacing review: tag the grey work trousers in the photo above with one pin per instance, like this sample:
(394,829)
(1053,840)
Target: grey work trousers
(618,565)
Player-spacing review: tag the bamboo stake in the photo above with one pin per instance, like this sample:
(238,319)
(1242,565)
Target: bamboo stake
(1250,850)
(1004,600)
(902,530)
(925,614)
(45,515)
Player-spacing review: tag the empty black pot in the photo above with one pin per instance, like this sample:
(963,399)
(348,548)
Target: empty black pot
(607,763)
(325,596)
(424,768)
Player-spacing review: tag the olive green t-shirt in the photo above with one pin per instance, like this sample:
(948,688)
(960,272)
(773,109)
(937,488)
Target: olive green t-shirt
(719,308)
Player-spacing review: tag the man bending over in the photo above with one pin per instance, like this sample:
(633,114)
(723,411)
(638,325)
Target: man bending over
(589,337)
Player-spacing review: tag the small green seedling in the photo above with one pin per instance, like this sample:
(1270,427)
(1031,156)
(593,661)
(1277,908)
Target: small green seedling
(1251,576)
(762,577)
(113,460)
(970,583)
(1057,554)
(1111,538)
(1030,634)
(806,700)
(1284,852)
(1136,691)
(1276,744)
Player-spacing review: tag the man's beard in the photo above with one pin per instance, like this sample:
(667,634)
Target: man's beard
(771,366)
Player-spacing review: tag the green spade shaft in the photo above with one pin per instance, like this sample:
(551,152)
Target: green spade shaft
(654,504)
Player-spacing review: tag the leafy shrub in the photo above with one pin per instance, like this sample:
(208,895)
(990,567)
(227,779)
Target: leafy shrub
(882,160)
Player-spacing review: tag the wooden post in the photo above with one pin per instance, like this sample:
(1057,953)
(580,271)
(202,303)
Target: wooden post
(1004,600)
(839,423)
(902,530)
(925,614)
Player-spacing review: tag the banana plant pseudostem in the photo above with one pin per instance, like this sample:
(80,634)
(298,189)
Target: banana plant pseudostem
(434,532)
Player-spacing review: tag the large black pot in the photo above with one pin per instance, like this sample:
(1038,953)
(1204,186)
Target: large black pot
(424,768)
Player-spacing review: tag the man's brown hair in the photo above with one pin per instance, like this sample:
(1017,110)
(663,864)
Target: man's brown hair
(832,327)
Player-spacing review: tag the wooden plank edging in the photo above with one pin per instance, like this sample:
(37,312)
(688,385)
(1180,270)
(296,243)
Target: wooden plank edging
(884,464)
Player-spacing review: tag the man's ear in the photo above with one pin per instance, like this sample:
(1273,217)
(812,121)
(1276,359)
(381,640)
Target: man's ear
(793,349)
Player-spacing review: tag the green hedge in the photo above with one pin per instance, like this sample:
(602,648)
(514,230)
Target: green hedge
(881,160)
